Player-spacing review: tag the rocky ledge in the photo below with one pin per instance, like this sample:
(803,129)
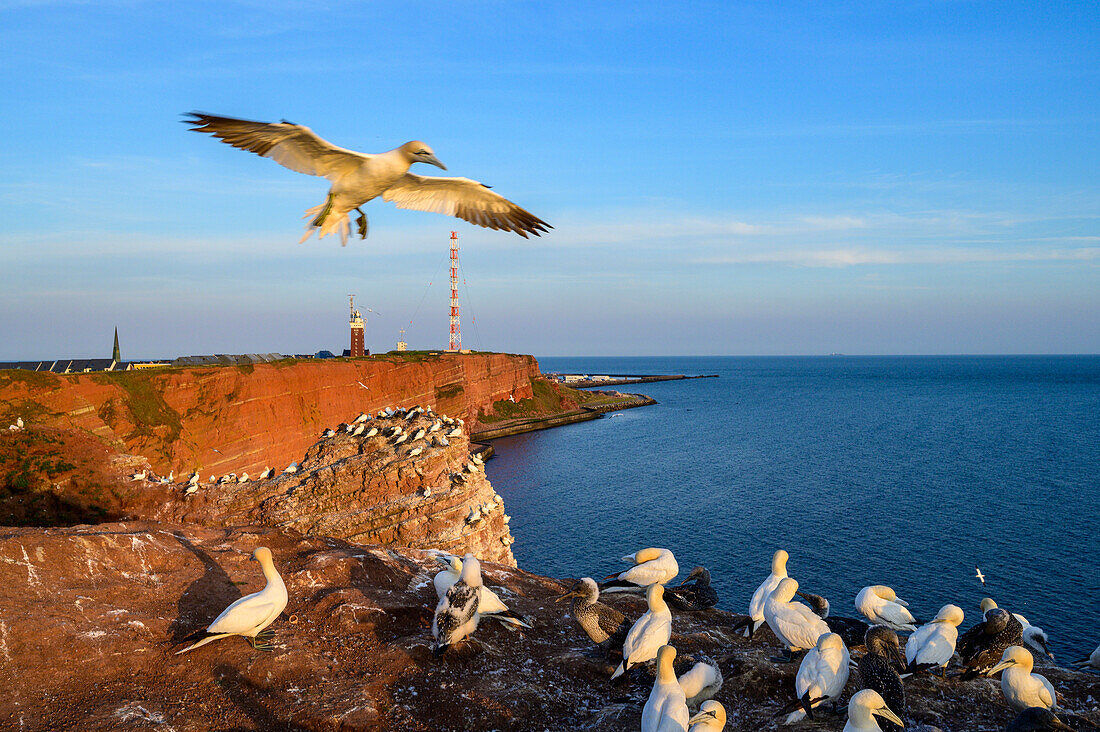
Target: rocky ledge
(90,617)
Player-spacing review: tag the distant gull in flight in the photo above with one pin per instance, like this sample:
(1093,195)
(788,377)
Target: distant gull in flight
(979,576)
(358,178)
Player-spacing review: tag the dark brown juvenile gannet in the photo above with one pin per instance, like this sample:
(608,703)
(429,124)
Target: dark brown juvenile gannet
(980,648)
(606,626)
(877,670)
(697,596)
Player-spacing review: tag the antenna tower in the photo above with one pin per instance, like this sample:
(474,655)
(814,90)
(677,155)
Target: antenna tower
(456,330)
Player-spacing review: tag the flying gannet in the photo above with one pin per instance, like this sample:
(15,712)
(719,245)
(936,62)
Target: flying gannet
(711,718)
(821,677)
(250,615)
(651,566)
(697,596)
(882,606)
(851,630)
(864,706)
(756,605)
(648,634)
(456,615)
(489,603)
(666,709)
(795,625)
(701,682)
(933,644)
(1023,689)
(604,625)
(357,178)
(1036,719)
(878,669)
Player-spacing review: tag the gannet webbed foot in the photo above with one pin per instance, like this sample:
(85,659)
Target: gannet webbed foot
(361,222)
(320,218)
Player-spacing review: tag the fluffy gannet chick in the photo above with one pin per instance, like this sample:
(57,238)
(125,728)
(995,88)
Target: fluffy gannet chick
(666,709)
(882,606)
(981,647)
(456,615)
(604,625)
(701,682)
(862,710)
(821,676)
(651,566)
(711,718)
(795,625)
(756,605)
(250,615)
(851,630)
(648,634)
(489,603)
(697,596)
(1092,661)
(1023,689)
(933,644)
(1036,719)
(878,670)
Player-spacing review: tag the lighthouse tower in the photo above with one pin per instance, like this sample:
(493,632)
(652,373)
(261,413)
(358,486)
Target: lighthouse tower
(357,343)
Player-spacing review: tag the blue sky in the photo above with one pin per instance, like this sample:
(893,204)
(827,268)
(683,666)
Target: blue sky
(723,178)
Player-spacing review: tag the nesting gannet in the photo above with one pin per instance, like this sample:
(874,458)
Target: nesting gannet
(456,615)
(489,603)
(821,677)
(266,474)
(471,467)
(191,488)
(474,516)
(604,625)
(1031,635)
(436,426)
(882,606)
(933,644)
(701,682)
(711,718)
(414,452)
(194,479)
(357,178)
(649,632)
(666,709)
(458,478)
(426,491)
(1036,719)
(651,566)
(864,706)
(696,596)
(329,432)
(756,605)
(19,422)
(363,417)
(419,433)
(251,614)
(292,468)
(401,438)
(444,442)
(851,630)
(359,429)
(878,670)
(1023,689)
(980,648)
(795,625)
(477,458)
(371,432)
(1092,661)
(243,478)
(456,432)
(140,476)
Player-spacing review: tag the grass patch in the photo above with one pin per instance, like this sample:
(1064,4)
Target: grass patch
(449,391)
(546,400)
(145,404)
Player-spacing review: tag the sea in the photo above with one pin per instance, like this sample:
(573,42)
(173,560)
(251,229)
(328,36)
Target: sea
(904,471)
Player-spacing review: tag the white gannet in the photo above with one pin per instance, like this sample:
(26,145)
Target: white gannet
(701,682)
(371,432)
(243,478)
(292,468)
(266,474)
(477,458)
(882,606)
(251,614)
(436,425)
(357,178)
(864,706)
(1023,689)
(363,417)
(191,488)
(1091,661)
(795,625)
(489,603)
(414,452)
(756,605)
(401,438)
(359,429)
(194,480)
(651,566)
(456,432)
(933,644)
(604,625)
(665,710)
(649,632)
(821,676)
(475,515)
(329,432)
(426,491)
(456,615)
(419,433)
(19,422)
(443,441)
(711,718)
(140,476)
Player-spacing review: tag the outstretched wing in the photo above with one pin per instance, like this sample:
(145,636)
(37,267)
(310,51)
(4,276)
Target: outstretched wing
(467,199)
(293,146)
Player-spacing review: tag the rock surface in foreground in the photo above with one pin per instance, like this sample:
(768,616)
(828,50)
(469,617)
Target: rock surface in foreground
(90,617)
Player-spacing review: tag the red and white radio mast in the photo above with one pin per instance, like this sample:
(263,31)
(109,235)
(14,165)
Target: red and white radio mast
(456,330)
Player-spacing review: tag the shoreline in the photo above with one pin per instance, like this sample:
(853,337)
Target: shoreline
(584,414)
(627,379)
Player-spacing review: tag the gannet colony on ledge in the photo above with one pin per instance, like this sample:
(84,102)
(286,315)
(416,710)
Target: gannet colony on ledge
(358,178)
(685,703)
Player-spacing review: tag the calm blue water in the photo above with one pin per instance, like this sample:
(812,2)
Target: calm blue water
(905,471)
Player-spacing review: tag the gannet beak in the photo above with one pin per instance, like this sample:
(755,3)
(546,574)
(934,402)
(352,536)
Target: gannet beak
(901,602)
(433,160)
(887,714)
(1000,667)
(611,576)
(566,596)
(701,716)
(1046,650)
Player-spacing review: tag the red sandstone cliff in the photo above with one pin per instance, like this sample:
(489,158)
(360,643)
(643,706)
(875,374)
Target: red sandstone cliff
(227,418)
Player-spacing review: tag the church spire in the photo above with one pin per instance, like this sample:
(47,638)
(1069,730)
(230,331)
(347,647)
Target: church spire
(116,355)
